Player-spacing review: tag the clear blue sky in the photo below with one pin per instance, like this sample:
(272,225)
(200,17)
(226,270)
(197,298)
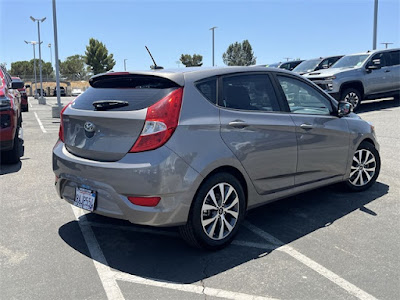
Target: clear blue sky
(275,28)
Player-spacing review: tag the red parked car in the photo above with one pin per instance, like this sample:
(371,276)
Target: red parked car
(24,96)
(11,146)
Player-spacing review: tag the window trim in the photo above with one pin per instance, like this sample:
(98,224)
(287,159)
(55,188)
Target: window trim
(282,95)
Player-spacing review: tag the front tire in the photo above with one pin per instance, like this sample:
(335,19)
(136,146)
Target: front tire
(365,168)
(353,96)
(216,213)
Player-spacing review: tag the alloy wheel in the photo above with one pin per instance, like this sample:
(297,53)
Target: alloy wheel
(352,98)
(220,211)
(363,167)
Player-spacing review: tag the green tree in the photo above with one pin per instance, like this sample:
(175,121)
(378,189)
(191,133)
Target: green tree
(97,57)
(191,61)
(74,68)
(239,54)
(24,69)
(21,68)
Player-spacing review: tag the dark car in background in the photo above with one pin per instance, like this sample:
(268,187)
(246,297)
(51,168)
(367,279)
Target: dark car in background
(24,96)
(315,64)
(62,91)
(37,93)
(287,65)
(197,148)
(11,146)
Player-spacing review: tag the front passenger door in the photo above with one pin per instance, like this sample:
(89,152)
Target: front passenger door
(322,139)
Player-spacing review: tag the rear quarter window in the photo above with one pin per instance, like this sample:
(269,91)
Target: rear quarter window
(208,88)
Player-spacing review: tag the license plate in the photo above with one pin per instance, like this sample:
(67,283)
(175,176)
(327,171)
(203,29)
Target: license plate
(85,198)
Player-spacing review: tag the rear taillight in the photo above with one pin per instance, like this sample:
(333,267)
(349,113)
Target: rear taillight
(61,131)
(161,122)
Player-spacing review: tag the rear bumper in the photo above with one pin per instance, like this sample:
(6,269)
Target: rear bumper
(6,145)
(158,173)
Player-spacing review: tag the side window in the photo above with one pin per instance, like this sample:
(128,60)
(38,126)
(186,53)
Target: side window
(285,66)
(324,64)
(303,99)
(332,60)
(379,56)
(208,88)
(394,58)
(249,92)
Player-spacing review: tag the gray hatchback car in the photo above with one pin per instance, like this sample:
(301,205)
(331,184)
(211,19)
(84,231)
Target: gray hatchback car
(198,147)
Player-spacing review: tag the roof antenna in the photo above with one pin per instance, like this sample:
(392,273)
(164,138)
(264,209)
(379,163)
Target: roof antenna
(154,67)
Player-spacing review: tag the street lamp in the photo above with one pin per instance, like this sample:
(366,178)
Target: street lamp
(41,99)
(386,44)
(51,54)
(287,58)
(33,43)
(56,111)
(375,24)
(213,28)
(125,59)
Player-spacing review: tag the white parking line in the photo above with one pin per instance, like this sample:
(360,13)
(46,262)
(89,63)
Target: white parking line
(30,104)
(40,123)
(106,275)
(109,277)
(196,289)
(336,279)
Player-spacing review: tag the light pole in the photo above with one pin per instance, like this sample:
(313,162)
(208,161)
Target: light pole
(125,59)
(56,112)
(213,29)
(41,99)
(287,58)
(33,43)
(51,54)
(386,44)
(375,24)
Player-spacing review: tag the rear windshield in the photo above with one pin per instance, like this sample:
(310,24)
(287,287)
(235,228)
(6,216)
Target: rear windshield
(136,98)
(138,91)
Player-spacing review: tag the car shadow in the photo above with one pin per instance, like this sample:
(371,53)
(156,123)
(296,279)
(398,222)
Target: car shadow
(10,168)
(166,257)
(367,106)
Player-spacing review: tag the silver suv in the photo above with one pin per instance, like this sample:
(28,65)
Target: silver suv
(197,148)
(355,77)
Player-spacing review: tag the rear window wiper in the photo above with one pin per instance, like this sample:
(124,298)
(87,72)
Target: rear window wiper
(109,104)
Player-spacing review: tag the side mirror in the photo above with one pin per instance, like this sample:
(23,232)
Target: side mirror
(17,85)
(374,64)
(325,66)
(344,108)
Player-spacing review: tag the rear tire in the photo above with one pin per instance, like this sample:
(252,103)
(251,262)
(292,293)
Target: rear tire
(353,96)
(365,168)
(13,156)
(215,216)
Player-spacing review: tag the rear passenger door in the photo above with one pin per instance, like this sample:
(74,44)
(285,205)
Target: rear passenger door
(257,132)
(322,138)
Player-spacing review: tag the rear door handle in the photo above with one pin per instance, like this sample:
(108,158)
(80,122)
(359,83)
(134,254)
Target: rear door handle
(387,71)
(238,124)
(306,126)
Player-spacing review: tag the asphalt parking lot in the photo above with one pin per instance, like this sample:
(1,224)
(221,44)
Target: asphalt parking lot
(324,244)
